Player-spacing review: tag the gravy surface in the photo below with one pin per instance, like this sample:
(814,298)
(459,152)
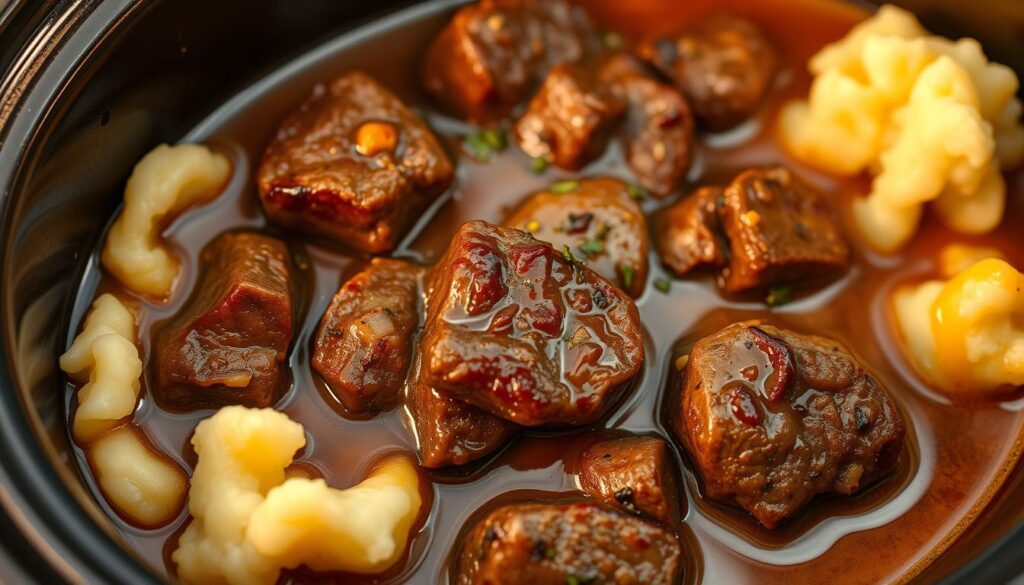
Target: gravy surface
(958,455)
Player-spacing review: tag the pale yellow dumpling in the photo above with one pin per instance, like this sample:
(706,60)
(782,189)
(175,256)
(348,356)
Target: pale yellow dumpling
(105,358)
(144,487)
(931,119)
(965,335)
(249,522)
(163,184)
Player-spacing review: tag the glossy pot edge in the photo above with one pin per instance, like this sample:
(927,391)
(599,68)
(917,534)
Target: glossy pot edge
(32,490)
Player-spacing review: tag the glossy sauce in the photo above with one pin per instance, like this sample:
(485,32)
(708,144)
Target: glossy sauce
(957,455)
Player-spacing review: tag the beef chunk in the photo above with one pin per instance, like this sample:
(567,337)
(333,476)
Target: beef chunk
(599,222)
(723,64)
(633,473)
(353,164)
(771,418)
(570,119)
(451,432)
(555,544)
(525,332)
(492,54)
(362,347)
(228,343)
(780,230)
(691,234)
(658,130)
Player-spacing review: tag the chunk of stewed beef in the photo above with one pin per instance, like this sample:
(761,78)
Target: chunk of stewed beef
(780,230)
(353,164)
(690,234)
(451,432)
(493,53)
(632,473)
(657,132)
(363,345)
(722,63)
(771,418)
(598,221)
(556,544)
(229,342)
(526,332)
(570,119)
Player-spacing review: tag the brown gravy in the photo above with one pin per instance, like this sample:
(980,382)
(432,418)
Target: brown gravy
(959,455)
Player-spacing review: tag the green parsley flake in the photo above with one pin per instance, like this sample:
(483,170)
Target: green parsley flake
(626,272)
(637,192)
(565,186)
(485,143)
(779,295)
(612,40)
(663,284)
(572,580)
(539,164)
(591,247)
(603,231)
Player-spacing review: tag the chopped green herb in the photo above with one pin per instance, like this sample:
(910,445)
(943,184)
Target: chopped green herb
(603,231)
(663,284)
(612,40)
(565,186)
(485,143)
(571,258)
(550,553)
(637,192)
(591,247)
(779,295)
(572,580)
(539,164)
(626,272)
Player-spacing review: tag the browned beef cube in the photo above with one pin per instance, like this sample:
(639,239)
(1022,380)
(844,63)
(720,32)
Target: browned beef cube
(493,53)
(722,63)
(658,129)
(362,347)
(599,222)
(451,432)
(691,234)
(570,119)
(525,332)
(555,544)
(229,342)
(633,473)
(353,164)
(780,230)
(771,418)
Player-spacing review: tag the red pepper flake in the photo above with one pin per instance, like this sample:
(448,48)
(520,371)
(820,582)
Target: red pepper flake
(782,363)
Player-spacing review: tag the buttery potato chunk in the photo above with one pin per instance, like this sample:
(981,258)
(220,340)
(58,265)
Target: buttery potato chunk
(164,183)
(974,322)
(249,522)
(930,118)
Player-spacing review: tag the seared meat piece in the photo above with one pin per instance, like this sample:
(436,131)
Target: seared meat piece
(658,130)
(555,544)
(353,164)
(723,64)
(691,233)
(451,432)
(492,54)
(780,230)
(570,119)
(772,418)
(228,343)
(633,473)
(525,332)
(599,222)
(363,344)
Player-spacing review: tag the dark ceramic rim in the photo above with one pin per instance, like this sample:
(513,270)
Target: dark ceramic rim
(65,35)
